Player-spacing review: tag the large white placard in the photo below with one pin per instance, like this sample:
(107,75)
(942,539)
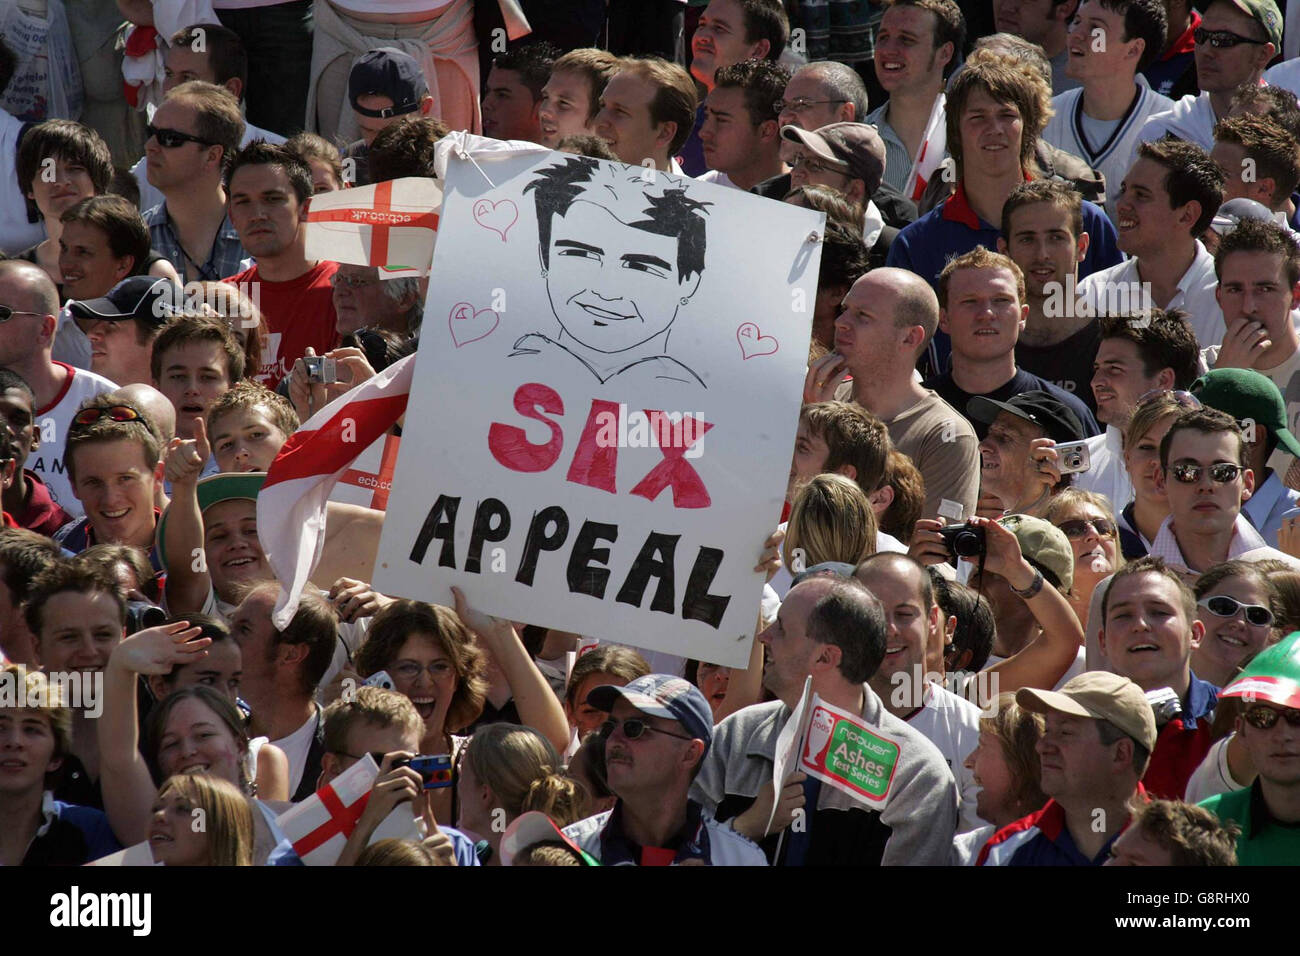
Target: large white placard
(608,384)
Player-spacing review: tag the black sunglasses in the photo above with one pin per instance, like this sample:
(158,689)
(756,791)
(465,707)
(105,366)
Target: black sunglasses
(1221,472)
(1221,605)
(1264,717)
(1222,39)
(6,313)
(171,138)
(633,729)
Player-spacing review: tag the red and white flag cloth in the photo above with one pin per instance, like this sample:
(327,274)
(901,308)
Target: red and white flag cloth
(390,225)
(934,145)
(291,505)
(319,827)
(369,481)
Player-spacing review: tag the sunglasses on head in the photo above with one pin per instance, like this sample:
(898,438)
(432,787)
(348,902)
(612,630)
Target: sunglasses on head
(171,138)
(1263,717)
(1078,527)
(1221,472)
(6,313)
(1222,39)
(634,729)
(1221,605)
(1185,399)
(115,413)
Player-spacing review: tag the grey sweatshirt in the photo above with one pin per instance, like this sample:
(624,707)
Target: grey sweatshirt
(915,826)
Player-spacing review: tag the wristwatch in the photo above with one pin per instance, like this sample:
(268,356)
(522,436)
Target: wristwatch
(1034,587)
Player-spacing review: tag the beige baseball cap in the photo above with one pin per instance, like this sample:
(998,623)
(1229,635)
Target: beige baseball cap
(1100,695)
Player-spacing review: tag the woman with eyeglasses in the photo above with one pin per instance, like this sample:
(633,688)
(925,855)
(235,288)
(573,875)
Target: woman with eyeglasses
(1235,603)
(429,653)
(1140,520)
(1085,518)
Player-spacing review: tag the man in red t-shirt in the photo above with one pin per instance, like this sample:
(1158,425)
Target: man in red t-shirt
(269,189)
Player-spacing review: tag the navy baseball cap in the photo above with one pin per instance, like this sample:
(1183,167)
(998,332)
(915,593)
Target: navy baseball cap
(661,695)
(149,300)
(1046,411)
(388,72)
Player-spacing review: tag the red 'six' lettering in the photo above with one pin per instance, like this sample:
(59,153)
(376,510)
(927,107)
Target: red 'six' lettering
(595,464)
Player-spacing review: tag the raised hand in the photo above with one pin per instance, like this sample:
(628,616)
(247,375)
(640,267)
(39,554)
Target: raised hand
(186,458)
(156,650)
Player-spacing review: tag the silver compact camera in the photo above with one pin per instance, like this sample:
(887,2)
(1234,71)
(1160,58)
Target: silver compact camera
(1074,457)
(1164,704)
(321,369)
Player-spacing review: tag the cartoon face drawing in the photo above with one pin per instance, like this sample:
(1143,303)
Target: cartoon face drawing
(622,257)
(612,286)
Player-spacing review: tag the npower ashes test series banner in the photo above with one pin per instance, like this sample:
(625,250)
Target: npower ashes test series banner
(608,384)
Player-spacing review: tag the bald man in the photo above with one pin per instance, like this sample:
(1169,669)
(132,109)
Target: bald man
(885,323)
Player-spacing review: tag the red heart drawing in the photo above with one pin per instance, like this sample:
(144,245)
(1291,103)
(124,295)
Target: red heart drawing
(468,325)
(753,342)
(497,216)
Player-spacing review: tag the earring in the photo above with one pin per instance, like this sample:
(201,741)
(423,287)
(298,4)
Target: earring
(543,273)
(684,300)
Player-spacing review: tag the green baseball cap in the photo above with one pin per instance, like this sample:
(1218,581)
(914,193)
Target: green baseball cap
(1044,544)
(212,490)
(1247,396)
(1273,676)
(1267,15)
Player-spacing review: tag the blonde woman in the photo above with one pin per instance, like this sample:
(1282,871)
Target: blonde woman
(831,520)
(508,770)
(1085,518)
(201,820)
(1140,519)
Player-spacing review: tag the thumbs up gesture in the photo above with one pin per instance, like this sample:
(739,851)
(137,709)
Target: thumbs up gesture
(186,458)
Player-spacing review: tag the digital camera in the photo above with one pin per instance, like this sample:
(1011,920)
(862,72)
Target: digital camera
(964,540)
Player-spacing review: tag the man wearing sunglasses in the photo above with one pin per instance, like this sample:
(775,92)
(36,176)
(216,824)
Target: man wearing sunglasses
(191,138)
(659,731)
(830,628)
(1203,475)
(1268,811)
(1234,43)
(29,306)
(1250,397)
(1149,631)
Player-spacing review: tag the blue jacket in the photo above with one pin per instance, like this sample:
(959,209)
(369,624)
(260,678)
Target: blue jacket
(953,228)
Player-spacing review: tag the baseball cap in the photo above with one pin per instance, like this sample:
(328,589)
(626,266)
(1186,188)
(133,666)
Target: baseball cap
(855,145)
(1247,395)
(1044,544)
(387,72)
(661,695)
(1267,15)
(149,300)
(1272,677)
(1099,695)
(212,490)
(536,827)
(1043,409)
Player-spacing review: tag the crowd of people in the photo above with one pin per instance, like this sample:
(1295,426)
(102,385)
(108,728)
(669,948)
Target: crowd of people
(1041,525)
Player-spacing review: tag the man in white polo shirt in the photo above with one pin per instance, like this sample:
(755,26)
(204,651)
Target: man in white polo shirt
(1203,474)
(1168,197)
(1101,122)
